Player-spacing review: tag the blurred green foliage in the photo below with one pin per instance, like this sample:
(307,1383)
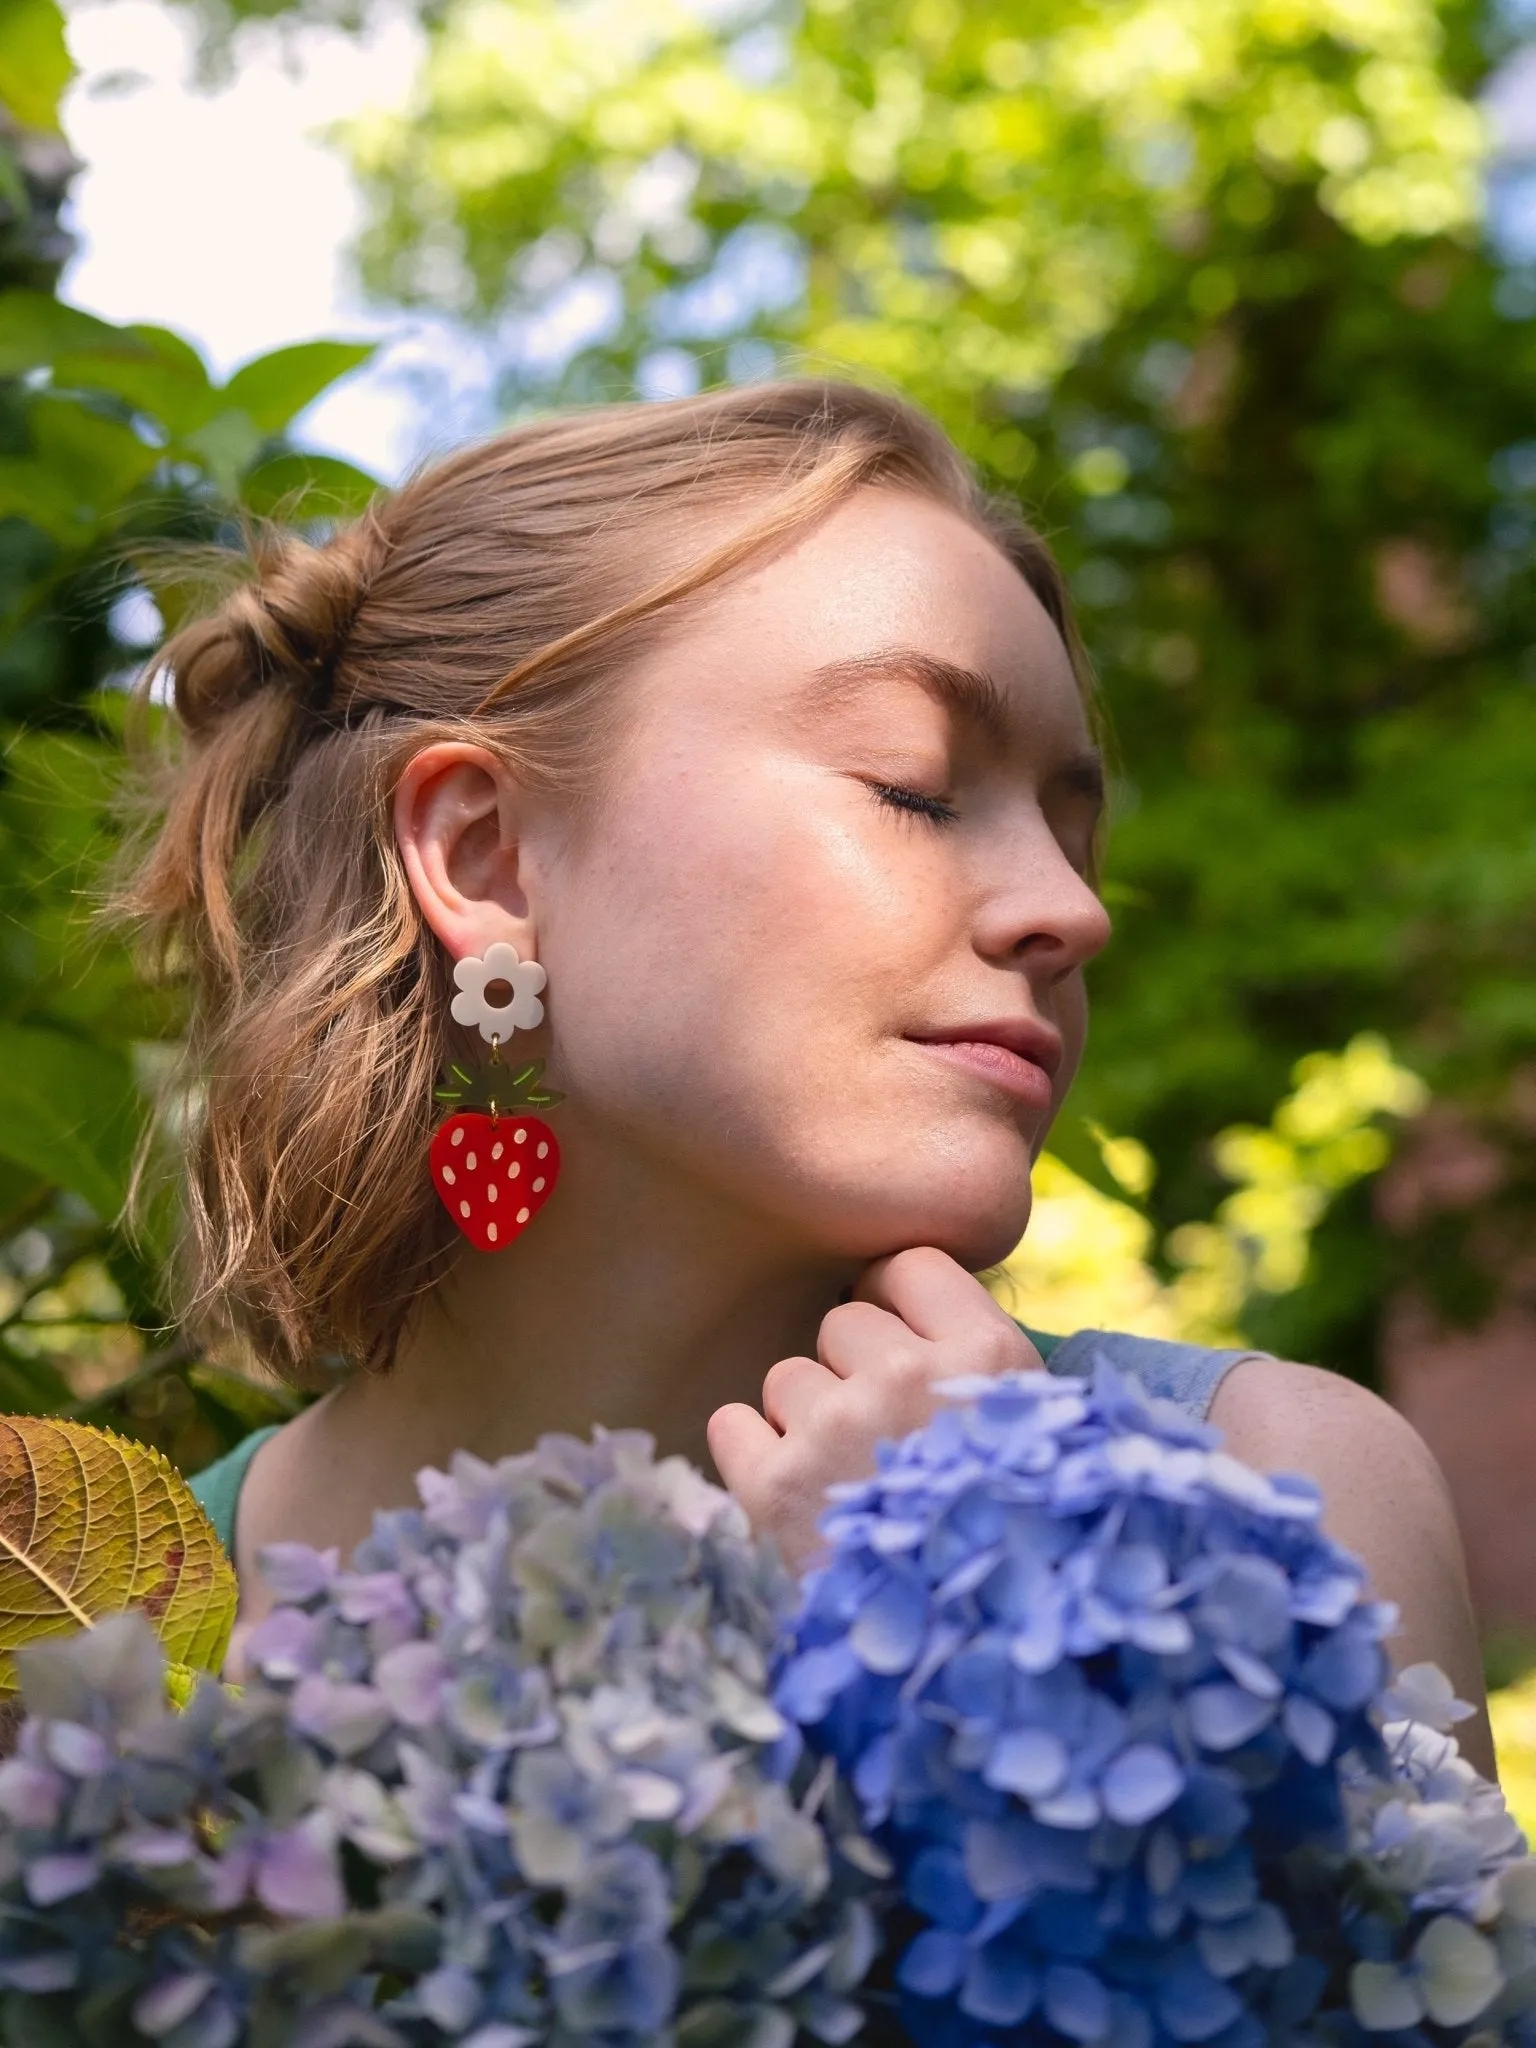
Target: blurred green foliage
(116,449)
(1206,282)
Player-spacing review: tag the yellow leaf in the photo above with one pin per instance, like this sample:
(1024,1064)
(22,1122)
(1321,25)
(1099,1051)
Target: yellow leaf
(92,1523)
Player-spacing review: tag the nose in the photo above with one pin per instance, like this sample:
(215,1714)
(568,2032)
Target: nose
(1049,918)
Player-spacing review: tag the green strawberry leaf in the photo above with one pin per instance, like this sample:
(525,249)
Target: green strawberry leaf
(464,1087)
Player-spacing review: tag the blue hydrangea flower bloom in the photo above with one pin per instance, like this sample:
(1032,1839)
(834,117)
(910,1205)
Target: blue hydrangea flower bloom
(1108,1698)
(1110,1703)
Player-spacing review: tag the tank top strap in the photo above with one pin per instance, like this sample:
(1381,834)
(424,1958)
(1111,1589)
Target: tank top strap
(1185,1374)
(216,1489)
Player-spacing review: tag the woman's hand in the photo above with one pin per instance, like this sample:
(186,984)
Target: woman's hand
(916,1319)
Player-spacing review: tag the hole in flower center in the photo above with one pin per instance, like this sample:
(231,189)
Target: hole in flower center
(498,994)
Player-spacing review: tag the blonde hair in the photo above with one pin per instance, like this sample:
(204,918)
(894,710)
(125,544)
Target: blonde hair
(497,597)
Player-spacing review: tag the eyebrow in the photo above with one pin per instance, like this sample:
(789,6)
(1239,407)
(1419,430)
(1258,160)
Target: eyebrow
(969,694)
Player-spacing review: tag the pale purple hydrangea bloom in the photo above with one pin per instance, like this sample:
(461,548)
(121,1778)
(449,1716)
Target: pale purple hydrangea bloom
(1109,1698)
(514,1777)
(1110,1704)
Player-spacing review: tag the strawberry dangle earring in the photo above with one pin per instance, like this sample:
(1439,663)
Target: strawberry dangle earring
(495,1165)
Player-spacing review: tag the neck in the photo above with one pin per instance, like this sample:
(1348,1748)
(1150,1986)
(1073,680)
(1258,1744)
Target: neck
(637,1301)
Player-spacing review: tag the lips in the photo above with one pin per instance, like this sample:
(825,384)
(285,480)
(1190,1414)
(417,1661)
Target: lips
(1025,1037)
(1019,1055)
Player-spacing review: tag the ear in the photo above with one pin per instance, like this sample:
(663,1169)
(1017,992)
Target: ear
(458,824)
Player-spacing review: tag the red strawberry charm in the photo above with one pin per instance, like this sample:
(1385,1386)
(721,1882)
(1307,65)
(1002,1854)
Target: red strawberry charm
(495,1167)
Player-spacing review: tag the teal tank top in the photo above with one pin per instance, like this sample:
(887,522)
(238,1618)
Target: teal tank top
(1185,1374)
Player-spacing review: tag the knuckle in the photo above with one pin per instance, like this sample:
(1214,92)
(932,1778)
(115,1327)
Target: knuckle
(781,1375)
(909,1369)
(838,1321)
(1000,1349)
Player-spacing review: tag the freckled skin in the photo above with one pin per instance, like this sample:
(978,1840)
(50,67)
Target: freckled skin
(761,932)
(772,1200)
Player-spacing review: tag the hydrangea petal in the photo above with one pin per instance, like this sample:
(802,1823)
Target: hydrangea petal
(1223,1717)
(1001,1985)
(1076,2003)
(412,1679)
(1458,1971)
(1029,1761)
(888,1633)
(295,1572)
(1384,1998)
(933,1964)
(297,1874)
(51,1879)
(1310,1726)
(1345,1669)
(1193,2005)
(166,2004)
(1142,1782)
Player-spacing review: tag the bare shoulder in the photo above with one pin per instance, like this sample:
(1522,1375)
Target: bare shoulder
(1383,1498)
(1282,1416)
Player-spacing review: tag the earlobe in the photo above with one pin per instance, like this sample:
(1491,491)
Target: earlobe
(455,818)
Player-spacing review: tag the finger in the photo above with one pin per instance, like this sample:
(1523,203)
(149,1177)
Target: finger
(857,1337)
(742,1445)
(932,1293)
(795,1392)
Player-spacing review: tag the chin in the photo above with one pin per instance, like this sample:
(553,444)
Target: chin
(977,1216)
(977,1242)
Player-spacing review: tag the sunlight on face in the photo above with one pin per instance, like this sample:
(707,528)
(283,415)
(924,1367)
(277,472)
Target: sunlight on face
(849,825)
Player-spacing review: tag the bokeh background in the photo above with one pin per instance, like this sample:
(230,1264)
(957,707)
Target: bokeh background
(1239,296)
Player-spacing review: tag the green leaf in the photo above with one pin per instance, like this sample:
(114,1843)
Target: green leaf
(36,330)
(225,445)
(81,468)
(462,1087)
(149,368)
(275,388)
(35,63)
(252,1403)
(67,1112)
(304,486)
(92,1524)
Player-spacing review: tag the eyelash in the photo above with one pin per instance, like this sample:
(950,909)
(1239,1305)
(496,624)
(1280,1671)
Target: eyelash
(898,798)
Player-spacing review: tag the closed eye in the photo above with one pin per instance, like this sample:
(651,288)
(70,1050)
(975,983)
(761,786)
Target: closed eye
(899,798)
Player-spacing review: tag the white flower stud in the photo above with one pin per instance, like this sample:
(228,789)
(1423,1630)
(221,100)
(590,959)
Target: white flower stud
(497,1021)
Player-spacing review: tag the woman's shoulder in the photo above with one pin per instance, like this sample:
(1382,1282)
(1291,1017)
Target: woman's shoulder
(216,1488)
(1321,1421)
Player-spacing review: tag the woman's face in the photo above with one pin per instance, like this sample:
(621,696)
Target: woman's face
(823,950)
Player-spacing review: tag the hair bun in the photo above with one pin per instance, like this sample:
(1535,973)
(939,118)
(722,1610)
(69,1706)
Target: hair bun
(287,626)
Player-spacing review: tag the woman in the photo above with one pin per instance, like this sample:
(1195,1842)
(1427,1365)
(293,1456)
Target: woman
(764,742)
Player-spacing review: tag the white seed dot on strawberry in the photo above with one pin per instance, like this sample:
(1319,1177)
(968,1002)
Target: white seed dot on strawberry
(464,1210)
(519,1137)
(522,1215)
(538,1186)
(449,1175)
(490,1232)
(497,1150)
(543,1151)
(514,1169)
(458,1136)
(492,1191)
(470,1161)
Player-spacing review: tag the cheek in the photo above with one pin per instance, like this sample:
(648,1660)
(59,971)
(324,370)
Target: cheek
(731,940)
(728,970)
(763,894)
